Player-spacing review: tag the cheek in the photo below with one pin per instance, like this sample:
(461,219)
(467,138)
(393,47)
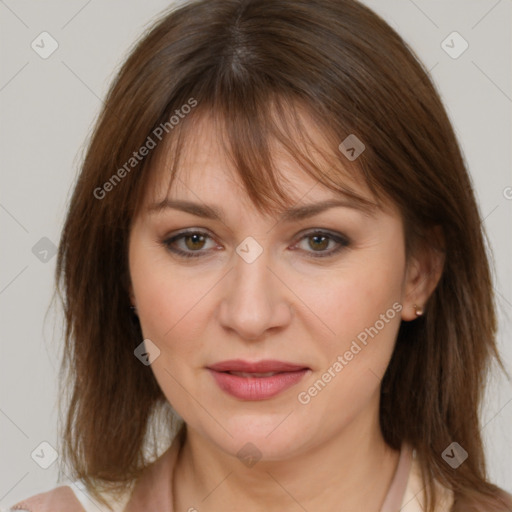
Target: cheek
(173,310)
(355,297)
(354,354)
(165,295)
(169,307)
(361,308)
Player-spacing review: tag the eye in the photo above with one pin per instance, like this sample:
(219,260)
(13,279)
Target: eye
(320,240)
(193,243)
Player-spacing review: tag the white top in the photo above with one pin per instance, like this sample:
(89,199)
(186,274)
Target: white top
(85,499)
(91,505)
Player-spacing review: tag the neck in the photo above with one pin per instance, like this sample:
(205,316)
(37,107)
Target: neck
(352,470)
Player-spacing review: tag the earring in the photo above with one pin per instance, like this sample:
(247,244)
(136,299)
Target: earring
(134,309)
(418,310)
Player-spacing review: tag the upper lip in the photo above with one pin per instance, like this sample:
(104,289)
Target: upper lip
(266,365)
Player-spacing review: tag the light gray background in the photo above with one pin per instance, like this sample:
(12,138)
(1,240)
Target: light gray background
(47,110)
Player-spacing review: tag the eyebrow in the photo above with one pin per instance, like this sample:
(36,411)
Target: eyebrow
(206,211)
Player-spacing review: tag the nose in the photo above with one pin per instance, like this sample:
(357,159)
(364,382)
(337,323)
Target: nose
(254,300)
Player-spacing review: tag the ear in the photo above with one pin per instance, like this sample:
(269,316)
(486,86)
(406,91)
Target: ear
(424,269)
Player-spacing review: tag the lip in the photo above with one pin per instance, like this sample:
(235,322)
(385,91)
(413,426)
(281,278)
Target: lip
(254,387)
(266,365)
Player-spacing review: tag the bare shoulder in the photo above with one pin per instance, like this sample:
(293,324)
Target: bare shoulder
(59,499)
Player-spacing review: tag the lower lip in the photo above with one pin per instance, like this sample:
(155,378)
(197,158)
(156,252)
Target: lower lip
(257,388)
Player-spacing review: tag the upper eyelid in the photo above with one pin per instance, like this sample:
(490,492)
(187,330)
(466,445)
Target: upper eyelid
(206,231)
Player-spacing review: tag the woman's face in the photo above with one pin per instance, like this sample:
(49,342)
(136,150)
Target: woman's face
(323,293)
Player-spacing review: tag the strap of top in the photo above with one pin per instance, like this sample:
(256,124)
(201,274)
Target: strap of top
(396,491)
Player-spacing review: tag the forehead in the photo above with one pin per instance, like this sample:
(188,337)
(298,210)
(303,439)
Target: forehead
(204,166)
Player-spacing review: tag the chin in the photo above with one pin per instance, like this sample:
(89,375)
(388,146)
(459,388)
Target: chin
(265,437)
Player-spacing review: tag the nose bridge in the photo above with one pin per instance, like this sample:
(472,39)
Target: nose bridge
(251,272)
(252,302)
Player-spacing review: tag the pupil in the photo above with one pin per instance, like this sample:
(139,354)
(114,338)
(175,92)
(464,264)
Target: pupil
(323,244)
(195,239)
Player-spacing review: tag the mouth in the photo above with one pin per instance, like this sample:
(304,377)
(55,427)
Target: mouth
(256,380)
(258,375)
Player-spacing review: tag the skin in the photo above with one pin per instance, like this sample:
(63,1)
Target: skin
(328,454)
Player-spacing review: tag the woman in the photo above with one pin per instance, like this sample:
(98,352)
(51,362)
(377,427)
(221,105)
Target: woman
(273,262)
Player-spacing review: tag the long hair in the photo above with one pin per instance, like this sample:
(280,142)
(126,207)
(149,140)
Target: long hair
(256,68)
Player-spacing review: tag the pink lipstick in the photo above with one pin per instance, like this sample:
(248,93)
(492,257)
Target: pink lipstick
(256,380)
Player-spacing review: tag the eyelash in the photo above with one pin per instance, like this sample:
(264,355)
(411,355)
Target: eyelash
(343,242)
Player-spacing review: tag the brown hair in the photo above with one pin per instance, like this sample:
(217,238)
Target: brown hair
(252,65)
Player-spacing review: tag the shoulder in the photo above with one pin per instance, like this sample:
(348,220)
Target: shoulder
(59,499)
(72,497)
(447,500)
(414,497)
(152,487)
